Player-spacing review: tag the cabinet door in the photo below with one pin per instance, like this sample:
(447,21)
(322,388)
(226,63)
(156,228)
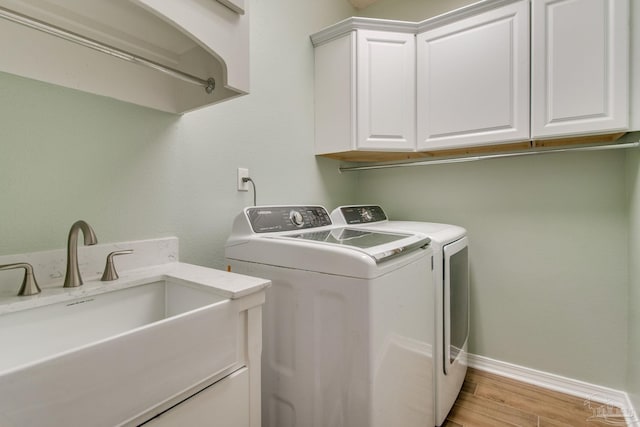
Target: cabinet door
(223,404)
(335,95)
(580,66)
(385,90)
(473,80)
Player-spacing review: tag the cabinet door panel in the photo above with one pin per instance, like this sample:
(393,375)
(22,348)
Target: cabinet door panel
(473,80)
(335,95)
(224,404)
(580,66)
(386,90)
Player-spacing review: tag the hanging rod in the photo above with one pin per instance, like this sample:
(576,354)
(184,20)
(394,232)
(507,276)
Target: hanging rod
(209,84)
(487,156)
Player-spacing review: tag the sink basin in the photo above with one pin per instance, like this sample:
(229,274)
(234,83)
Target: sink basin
(31,335)
(106,359)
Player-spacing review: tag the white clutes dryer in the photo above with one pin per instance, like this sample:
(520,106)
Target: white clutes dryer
(348,326)
(451,279)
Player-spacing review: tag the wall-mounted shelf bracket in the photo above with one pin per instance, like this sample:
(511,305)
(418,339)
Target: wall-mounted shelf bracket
(18,18)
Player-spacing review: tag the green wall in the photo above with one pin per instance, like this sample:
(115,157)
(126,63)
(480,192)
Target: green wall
(548,238)
(633,356)
(633,181)
(411,10)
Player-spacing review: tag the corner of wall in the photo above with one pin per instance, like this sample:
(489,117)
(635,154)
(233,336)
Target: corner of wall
(633,342)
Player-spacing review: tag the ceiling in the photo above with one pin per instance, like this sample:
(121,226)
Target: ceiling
(361,4)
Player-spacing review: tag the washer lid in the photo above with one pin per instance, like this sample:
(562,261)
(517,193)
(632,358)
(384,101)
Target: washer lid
(381,246)
(302,237)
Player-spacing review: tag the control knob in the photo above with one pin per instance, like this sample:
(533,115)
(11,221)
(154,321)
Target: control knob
(296,218)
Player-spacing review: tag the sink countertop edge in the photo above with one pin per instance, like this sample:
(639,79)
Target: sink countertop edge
(226,284)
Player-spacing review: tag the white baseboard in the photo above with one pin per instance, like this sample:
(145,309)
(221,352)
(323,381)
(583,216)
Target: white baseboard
(558,383)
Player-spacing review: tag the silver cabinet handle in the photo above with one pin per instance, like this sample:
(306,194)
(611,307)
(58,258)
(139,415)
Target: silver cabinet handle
(29,283)
(110,272)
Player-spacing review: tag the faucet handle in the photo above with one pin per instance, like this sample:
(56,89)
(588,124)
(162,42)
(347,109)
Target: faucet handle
(29,283)
(110,272)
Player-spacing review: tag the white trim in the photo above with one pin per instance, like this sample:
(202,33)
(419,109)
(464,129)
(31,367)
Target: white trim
(359,23)
(462,13)
(632,415)
(557,383)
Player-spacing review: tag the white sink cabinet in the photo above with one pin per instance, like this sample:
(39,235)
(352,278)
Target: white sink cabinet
(137,349)
(224,404)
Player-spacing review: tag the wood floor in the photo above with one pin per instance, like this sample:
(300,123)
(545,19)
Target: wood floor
(488,400)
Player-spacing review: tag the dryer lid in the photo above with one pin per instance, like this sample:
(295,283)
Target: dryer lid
(358,214)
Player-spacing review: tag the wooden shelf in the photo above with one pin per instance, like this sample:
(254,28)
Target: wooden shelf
(389,156)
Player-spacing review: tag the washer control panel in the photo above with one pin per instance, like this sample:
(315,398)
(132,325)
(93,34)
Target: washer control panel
(362,214)
(269,219)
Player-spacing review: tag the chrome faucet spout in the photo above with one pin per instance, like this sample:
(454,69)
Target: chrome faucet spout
(72,278)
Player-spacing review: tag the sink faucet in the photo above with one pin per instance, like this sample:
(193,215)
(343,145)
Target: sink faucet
(72,278)
(29,284)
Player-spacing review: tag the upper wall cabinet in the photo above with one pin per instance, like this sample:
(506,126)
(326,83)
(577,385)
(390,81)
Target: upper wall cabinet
(198,44)
(365,92)
(580,80)
(478,82)
(473,78)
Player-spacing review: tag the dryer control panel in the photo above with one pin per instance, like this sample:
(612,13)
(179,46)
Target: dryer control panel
(269,219)
(362,214)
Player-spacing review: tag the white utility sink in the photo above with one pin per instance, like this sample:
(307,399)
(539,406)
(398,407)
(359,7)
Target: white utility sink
(31,335)
(105,359)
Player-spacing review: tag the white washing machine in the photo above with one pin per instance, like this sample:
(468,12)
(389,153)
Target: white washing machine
(451,276)
(348,327)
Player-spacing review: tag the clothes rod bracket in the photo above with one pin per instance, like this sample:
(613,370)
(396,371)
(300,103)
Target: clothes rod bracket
(211,85)
(18,18)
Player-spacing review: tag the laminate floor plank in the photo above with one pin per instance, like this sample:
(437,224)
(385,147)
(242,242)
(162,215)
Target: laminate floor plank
(497,410)
(542,405)
(489,400)
(468,418)
(557,398)
(545,422)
